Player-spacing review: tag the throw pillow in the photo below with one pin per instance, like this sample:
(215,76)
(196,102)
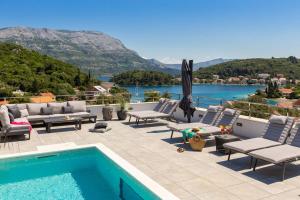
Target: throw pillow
(68,109)
(14,110)
(11,117)
(24,113)
(4,118)
(47,111)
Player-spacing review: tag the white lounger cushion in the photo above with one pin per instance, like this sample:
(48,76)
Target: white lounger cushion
(229,112)
(246,146)
(277,154)
(278,119)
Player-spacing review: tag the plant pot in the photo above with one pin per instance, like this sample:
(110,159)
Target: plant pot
(122,114)
(107,113)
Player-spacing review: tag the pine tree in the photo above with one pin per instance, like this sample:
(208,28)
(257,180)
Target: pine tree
(77,80)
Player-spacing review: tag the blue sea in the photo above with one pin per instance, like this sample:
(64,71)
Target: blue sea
(203,94)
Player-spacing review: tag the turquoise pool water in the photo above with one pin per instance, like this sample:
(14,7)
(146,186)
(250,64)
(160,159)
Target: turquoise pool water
(76,174)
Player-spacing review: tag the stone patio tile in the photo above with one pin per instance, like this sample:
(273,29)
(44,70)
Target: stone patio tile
(247,191)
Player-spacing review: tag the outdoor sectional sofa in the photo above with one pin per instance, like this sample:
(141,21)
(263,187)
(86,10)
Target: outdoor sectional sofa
(37,112)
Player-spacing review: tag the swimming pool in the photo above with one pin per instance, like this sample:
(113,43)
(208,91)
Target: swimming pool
(83,173)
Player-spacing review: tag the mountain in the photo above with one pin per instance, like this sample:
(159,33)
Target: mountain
(289,67)
(89,50)
(196,65)
(32,72)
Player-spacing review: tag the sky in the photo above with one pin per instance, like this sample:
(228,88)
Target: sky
(170,30)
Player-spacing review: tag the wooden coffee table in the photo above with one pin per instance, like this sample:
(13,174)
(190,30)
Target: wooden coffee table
(61,122)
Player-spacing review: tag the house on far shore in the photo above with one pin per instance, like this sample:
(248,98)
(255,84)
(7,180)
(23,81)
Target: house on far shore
(285,91)
(45,97)
(107,86)
(97,90)
(263,76)
(296,104)
(215,76)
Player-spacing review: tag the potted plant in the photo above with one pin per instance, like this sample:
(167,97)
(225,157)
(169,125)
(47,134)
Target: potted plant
(122,112)
(107,112)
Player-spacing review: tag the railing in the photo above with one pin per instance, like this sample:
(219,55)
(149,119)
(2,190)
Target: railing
(251,109)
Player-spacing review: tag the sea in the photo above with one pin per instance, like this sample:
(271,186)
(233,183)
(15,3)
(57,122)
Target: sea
(203,94)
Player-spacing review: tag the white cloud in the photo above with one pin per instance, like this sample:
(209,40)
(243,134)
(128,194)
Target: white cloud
(168,60)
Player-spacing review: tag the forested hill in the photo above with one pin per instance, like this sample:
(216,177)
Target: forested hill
(32,72)
(290,67)
(145,78)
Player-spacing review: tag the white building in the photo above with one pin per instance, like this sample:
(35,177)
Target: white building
(263,76)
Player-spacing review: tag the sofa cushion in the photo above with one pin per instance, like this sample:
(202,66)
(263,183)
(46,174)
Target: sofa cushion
(35,108)
(37,118)
(47,111)
(14,110)
(78,106)
(24,113)
(4,117)
(67,109)
(57,107)
(57,116)
(22,119)
(79,114)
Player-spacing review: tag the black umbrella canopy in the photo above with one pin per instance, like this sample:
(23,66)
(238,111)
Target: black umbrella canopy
(186,103)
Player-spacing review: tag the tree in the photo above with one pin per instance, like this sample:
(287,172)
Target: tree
(272,90)
(77,80)
(34,86)
(292,59)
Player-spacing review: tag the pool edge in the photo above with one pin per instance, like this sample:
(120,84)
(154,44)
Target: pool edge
(153,186)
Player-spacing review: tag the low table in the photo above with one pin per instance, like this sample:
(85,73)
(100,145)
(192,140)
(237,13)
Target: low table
(222,139)
(62,121)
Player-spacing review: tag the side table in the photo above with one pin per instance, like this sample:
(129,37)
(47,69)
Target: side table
(222,139)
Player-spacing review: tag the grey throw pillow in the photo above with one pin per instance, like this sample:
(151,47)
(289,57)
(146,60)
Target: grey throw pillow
(67,109)
(14,110)
(47,111)
(11,117)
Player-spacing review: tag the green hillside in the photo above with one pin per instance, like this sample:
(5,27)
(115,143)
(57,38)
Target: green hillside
(32,72)
(145,78)
(290,67)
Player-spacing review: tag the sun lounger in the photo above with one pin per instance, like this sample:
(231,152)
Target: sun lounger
(226,118)
(283,154)
(209,118)
(275,134)
(158,108)
(166,112)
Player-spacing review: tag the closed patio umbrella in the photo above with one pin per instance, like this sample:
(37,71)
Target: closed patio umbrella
(186,103)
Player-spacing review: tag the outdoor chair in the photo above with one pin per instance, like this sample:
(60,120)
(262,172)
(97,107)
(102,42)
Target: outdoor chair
(275,134)
(166,112)
(209,118)
(158,108)
(227,118)
(283,154)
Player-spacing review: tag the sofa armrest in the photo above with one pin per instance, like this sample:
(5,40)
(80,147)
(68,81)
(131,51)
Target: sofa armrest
(88,110)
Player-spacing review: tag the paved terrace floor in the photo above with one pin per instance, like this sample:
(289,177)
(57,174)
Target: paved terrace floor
(188,175)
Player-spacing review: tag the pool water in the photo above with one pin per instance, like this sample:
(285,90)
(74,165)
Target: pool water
(83,174)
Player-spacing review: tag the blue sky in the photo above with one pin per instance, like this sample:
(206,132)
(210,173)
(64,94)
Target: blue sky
(170,30)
